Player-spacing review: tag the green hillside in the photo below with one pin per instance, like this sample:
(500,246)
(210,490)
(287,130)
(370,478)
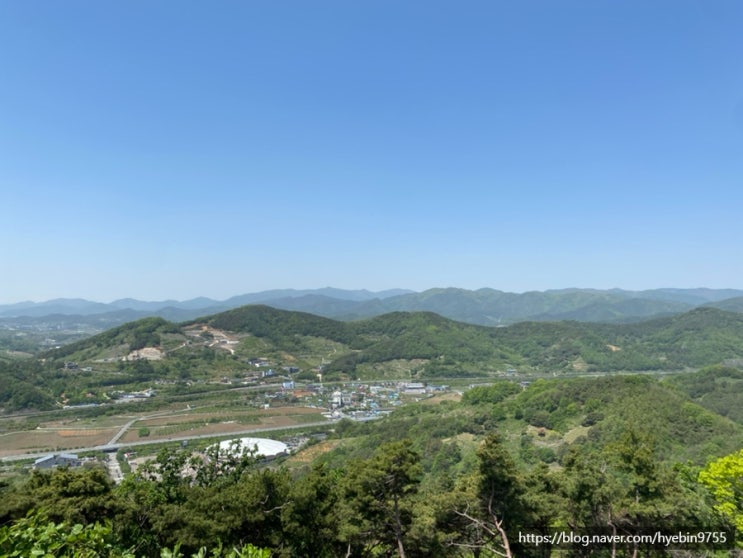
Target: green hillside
(442,347)
(734,304)
(717,388)
(608,406)
(550,420)
(447,347)
(399,345)
(24,385)
(147,332)
(278,325)
(698,338)
(492,307)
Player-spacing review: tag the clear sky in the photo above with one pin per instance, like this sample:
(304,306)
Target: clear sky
(174,149)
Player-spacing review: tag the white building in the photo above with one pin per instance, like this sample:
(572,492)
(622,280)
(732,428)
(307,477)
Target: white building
(263,447)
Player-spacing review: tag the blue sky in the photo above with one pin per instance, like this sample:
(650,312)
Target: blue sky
(174,149)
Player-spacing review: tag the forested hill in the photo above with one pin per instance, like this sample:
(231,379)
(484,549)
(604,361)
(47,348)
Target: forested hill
(441,347)
(264,321)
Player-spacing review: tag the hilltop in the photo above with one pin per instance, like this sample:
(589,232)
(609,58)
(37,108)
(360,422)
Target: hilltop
(256,339)
(482,307)
(439,346)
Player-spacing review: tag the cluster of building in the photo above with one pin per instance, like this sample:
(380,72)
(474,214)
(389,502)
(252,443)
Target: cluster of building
(357,400)
(127,397)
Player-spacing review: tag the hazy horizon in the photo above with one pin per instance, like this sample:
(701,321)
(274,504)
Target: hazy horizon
(373,291)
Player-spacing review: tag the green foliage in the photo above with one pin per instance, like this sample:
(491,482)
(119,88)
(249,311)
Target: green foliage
(608,404)
(312,516)
(246,551)
(495,501)
(146,332)
(191,501)
(66,495)
(624,487)
(37,536)
(22,385)
(723,477)
(378,493)
(280,325)
(717,388)
(490,394)
(499,487)
(223,467)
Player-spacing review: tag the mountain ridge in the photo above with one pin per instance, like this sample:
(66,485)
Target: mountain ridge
(485,306)
(444,347)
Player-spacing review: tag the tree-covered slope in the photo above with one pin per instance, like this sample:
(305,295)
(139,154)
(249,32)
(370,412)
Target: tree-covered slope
(734,304)
(448,346)
(608,406)
(419,345)
(493,307)
(147,332)
(264,321)
(543,420)
(717,388)
(701,337)
(697,338)
(22,386)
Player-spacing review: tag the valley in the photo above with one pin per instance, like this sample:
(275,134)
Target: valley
(652,402)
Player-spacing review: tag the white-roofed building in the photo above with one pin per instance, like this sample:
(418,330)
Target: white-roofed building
(263,447)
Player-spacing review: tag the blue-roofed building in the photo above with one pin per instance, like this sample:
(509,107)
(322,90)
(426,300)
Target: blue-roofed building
(57,460)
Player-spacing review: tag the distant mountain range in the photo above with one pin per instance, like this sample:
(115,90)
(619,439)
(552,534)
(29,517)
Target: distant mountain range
(482,307)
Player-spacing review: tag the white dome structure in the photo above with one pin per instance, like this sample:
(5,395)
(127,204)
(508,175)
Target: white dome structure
(264,447)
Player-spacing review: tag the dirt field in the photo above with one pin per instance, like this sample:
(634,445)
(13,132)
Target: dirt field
(196,424)
(216,429)
(443,397)
(66,434)
(52,440)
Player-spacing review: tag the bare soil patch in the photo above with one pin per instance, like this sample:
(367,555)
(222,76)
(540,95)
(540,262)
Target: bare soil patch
(169,427)
(443,397)
(52,440)
(309,454)
(147,353)
(166,433)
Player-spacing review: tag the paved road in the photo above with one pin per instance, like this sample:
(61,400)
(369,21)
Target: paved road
(117,446)
(114,469)
(123,430)
(128,425)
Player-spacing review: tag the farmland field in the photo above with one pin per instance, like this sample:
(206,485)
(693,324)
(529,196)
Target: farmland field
(34,434)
